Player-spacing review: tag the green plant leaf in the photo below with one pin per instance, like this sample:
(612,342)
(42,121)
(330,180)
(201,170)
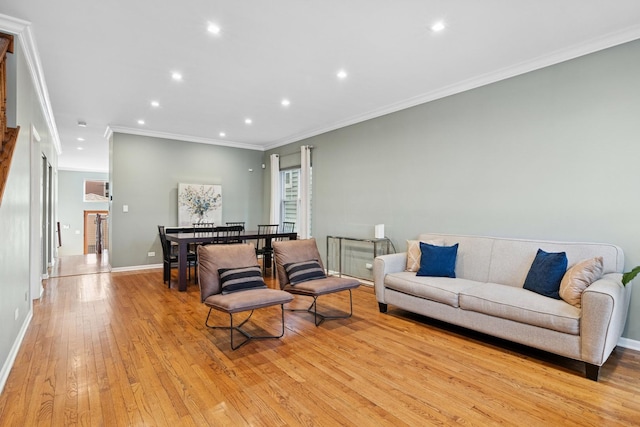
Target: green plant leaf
(630,275)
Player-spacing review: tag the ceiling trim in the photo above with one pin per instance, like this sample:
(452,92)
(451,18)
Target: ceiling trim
(22,29)
(590,46)
(188,138)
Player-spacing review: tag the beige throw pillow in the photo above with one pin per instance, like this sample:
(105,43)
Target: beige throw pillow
(578,278)
(414,254)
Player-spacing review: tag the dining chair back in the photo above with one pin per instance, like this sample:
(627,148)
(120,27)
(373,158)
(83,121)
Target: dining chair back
(263,247)
(288,227)
(228,234)
(170,257)
(203,227)
(236,223)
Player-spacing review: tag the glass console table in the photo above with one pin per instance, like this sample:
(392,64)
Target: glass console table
(378,245)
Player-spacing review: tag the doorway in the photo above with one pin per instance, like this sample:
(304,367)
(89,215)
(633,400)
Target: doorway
(96,232)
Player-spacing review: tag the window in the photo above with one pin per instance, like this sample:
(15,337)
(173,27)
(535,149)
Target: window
(96,191)
(290,196)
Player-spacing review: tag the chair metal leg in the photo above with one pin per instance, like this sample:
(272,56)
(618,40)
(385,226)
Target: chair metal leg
(323,317)
(248,336)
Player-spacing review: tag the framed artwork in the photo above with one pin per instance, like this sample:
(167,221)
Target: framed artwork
(199,203)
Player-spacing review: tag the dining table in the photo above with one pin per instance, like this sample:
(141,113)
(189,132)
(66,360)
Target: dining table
(184,238)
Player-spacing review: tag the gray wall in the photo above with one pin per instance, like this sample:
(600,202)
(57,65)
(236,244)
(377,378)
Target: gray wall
(71,209)
(551,154)
(15,209)
(145,173)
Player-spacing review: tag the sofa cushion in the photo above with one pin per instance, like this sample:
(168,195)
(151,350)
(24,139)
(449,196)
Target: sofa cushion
(438,261)
(517,304)
(546,272)
(441,289)
(414,253)
(578,278)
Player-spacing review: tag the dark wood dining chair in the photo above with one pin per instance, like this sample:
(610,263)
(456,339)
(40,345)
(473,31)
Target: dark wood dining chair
(236,223)
(227,234)
(170,257)
(288,227)
(263,247)
(238,228)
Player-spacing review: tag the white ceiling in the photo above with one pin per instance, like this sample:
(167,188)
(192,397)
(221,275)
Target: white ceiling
(105,61)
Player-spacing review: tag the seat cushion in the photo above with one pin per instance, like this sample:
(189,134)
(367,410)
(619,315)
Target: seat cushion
(324,286)
(247,300)
(441,289)
(521,305)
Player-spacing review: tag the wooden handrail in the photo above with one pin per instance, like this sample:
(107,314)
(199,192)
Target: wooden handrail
(8,136)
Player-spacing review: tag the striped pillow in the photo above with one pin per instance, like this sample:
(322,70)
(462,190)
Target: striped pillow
(299,272)
(241,279)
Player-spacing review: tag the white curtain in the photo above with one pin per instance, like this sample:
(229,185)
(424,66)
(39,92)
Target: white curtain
(304,230)
(274,214)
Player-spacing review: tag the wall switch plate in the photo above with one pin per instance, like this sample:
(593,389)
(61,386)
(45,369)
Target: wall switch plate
(151,254)
(17,313)
(125,208)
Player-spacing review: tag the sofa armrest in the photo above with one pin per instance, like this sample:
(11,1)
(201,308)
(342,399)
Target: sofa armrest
(605,304)
(383,265)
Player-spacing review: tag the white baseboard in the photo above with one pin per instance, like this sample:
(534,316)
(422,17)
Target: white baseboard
(136,267)
(11,358)
(629,343)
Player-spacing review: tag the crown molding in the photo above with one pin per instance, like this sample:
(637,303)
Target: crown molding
(111,129)
(22,30)
(590,46)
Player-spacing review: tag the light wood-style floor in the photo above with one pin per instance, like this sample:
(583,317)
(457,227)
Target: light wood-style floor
(74,265)
(120,349)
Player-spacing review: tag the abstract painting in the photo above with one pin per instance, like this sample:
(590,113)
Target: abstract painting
(199,203)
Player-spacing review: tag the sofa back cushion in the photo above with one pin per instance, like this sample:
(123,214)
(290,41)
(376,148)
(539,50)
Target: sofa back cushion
(507,261)
(474,254)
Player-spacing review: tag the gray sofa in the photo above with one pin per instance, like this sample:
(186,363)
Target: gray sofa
(487,295)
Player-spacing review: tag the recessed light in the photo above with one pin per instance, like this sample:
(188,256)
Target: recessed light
(342,74)
(285,102)
(140,122)
(80,148)
(248,121)
(176,76)
(213,29)
(155,104)
(80,139)
(438,26)
(82,124)
(222,134)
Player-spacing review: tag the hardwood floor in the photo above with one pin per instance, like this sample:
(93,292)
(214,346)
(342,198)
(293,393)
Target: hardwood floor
(73,265)
(120,349)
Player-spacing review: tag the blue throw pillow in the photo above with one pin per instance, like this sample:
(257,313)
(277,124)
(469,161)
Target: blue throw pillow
(546,273)
(437,261)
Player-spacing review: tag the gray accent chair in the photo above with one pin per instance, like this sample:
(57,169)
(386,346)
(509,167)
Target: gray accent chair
(292,251)
(214,257)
